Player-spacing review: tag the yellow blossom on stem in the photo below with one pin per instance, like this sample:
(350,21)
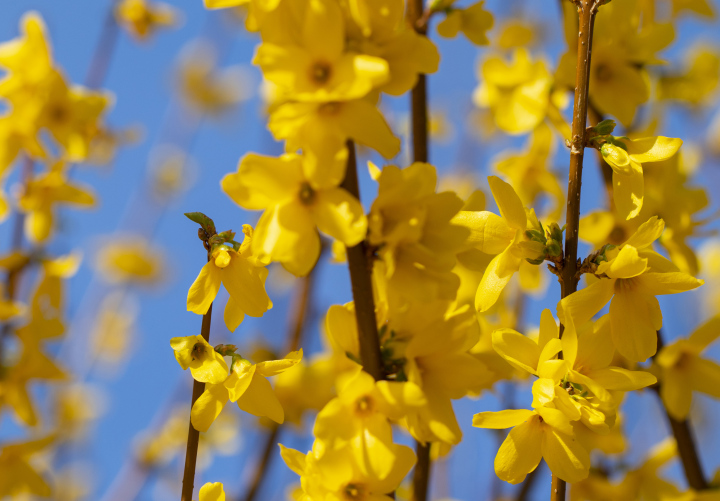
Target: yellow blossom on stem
(338,474)
(683,371)
(297,202)
(17,475)
(626,163)
(206,364)
(243,275)
(319,67)
(129,260)
(247,385)
(474,22)
(541,433)
(629,280)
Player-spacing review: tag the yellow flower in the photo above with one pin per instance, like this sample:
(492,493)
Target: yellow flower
(698,83)
(243,275)
(683,371)
(142,18)
(41,196)
(505,236)
(358,419)
(129,260)
(206,89)
(318,67)
(8,308)
(297,203)
(247,386)
(411,226)
(48,300)
(321,130)
(541,433)
(338,474)
(113,329)
(630,282)
(206,364)
(212,492)
(518,94)
(474,21)
(17,475)
(626,163)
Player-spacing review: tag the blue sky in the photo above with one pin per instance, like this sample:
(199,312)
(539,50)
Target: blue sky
(140,76)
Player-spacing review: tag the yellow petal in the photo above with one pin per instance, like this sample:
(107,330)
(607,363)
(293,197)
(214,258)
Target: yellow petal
(233,315)
(626,264)
(565,456)
(585,303)
(500,420)
(628,192)
(508,202)
(520,351)
(617,378)
(647,233)
(295,460)
(208,406)
(260,400)
(494,280)
(520,452)
(668,283)
(340,215)
(705,334)
(450,26)
(653,149)
(244,283)
(212,369)
(262,182)
(635,318)
(489,232)
(273,367)
(212,492)
(203,291)
(676,395)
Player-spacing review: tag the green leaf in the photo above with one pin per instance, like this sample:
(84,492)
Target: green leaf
(205,222)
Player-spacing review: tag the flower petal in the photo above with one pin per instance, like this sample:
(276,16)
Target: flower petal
(520,452)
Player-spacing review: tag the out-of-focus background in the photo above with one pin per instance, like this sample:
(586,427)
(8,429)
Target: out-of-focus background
(132,390)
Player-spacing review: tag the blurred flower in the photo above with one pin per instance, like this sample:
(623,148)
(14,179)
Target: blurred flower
(76,407)
(17,476)
(698,83)
(172,171)
(474,22)
(206,89)
(129,260)
(142,18)
(114,325)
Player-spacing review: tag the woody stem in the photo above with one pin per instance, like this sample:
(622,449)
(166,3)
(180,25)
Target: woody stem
(420,143)
(586,12)
(193,439)
(687,450)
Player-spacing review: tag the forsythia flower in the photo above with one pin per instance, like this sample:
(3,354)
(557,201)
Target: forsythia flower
(247,386)
(473,21)
(339,475)
(17,476)
(142,18)
(626,163)
(129,260)
(318,67)
(297,203)
(631,277)
(206,364)
(243,275)
(541,433)
(683,371)
(411,226)
(503,235)
(41,196)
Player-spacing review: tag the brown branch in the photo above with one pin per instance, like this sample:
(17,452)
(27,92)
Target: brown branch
(420,142)
(360,265)
(687,450)
(568,284)
(302,308)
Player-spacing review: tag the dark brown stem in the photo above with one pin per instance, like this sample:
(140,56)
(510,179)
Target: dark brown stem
(687,450)
(586,11)
(360,265)
(302,310)
(419,116)
(527,485)
(194,435)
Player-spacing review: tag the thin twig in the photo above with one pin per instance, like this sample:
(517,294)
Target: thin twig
(568,284)
(360,265)
(303,308)
(687,449)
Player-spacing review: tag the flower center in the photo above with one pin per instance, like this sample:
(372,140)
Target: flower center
(603,73)
(307,194)
(364,406)
(198,351)
(354,492)
(320,72)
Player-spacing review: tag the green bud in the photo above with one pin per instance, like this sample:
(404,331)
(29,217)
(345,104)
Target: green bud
(605,127)
(226,350)
(553,248)
(205,222)
(535,261)
(227,236)
(535,236)
(556,233)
